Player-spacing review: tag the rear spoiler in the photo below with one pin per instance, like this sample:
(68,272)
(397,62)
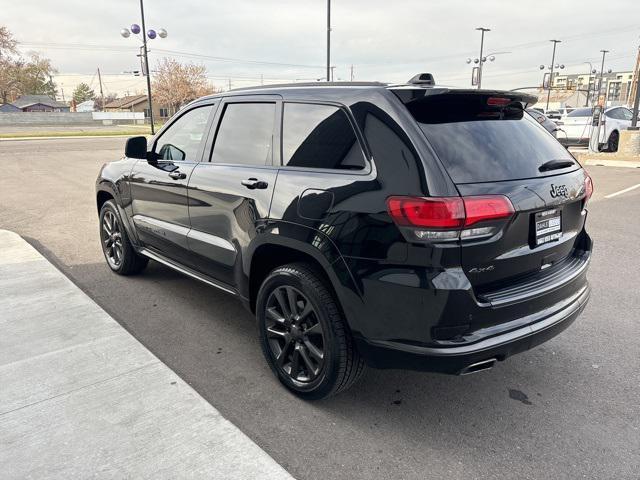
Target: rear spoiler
(409,95)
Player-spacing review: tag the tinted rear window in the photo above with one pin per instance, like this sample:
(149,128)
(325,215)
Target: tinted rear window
(478,143)
(581,112)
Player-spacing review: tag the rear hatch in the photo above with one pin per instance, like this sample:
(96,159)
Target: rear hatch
(490,147)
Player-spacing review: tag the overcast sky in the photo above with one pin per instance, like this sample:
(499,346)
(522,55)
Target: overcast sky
(383,40)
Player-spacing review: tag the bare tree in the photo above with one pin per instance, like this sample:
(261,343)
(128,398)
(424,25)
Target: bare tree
(7,43)
(176,84)
(20,76)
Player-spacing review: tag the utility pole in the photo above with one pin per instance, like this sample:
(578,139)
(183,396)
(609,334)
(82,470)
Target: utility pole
(332,68)
(146,62)
(101,92)
(352,72)
(328,40)
(636,102)
(604,52)
(553,60)
(482,29)
(229,83)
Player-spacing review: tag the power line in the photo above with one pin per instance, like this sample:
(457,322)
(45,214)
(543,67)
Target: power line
(177,53)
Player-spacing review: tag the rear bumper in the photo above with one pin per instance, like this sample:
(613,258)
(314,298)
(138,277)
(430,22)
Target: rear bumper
(454,359)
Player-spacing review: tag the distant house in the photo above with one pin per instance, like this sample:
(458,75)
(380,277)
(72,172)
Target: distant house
(39,103)
(7,107)
(136,103)
(87,106)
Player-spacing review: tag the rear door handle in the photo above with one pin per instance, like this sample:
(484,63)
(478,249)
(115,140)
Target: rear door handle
(253,183)
(178,175)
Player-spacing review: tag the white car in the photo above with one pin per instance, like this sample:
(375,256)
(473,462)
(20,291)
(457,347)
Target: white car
(578,125)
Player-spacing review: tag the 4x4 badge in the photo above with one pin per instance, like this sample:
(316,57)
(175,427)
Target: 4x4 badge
(559,191)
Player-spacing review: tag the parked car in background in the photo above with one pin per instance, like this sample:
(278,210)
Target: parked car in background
(553,114)
(564,111)
(578,126)
(549,125)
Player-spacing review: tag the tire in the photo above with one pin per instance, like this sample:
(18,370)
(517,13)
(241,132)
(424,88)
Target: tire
(316,327)
(116,247)
(612,144)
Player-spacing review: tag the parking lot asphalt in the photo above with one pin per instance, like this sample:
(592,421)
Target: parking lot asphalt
(567,409)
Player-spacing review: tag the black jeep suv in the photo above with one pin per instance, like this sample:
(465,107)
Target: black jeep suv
(410,226)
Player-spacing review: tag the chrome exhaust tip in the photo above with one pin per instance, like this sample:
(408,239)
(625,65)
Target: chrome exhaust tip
(478,366)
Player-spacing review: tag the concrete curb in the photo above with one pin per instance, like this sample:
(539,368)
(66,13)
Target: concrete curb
(82,398)
(612,163)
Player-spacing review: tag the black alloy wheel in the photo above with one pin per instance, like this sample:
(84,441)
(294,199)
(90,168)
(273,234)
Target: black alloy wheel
(295,335)
(112,239)
(304,336)
(116,246)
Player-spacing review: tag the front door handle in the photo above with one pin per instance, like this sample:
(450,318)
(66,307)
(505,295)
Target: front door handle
(253,183)
(176,175)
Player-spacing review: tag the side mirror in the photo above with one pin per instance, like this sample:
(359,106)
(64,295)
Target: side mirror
(136,147)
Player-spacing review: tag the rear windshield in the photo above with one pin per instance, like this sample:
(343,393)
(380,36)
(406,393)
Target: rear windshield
(580,112)
(481,143)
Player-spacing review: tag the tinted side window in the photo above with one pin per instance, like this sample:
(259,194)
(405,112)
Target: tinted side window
(626,114)
(319,136)
(245,135)
(182,139)
(615,113)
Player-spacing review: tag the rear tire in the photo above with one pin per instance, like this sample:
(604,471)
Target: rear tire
(116,247)
(303,334)
(612,144)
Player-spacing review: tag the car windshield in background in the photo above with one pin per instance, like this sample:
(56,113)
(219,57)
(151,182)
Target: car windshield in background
(482,143)
(581,112)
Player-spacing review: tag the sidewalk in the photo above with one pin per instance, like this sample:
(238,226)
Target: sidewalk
(81,398)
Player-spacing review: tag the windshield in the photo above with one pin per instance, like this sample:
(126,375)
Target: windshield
(480,143)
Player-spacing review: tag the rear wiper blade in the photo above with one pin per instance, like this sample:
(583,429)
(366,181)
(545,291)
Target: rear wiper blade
(555,165)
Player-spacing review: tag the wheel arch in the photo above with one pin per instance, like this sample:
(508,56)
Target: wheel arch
(274,251)
(105,191)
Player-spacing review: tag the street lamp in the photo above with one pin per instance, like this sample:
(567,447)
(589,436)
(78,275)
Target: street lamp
(328,40)
(489,57)
(551,67)
(604,52)
(481,59)
(151,34)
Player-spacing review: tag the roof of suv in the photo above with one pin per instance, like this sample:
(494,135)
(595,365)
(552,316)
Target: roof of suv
(309,87)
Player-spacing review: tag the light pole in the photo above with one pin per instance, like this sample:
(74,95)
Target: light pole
(490,56)
(482,30)
(636,102)
(553,59)
(328,40)
(604,52)
(151,34)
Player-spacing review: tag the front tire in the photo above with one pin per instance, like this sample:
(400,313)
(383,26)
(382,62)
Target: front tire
(116,246)
(303,335)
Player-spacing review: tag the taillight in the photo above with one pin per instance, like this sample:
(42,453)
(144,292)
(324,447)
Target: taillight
(588,188)
(498,101)
(449,218)
(427,212)
(486,207)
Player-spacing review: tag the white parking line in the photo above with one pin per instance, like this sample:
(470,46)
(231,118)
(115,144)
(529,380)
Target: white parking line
(615,194)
